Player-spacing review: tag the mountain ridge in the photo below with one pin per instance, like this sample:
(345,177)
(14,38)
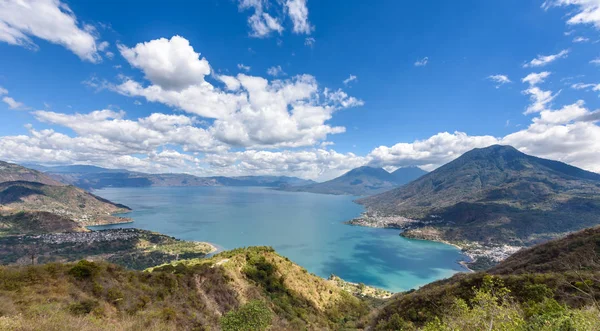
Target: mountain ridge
(361,181)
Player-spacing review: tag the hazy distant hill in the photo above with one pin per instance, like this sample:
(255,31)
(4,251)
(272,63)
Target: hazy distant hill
(92,177)
(497,193)
(363,181)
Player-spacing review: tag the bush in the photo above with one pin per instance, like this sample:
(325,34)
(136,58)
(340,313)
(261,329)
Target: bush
(83,307)
(83,270)
(253,316)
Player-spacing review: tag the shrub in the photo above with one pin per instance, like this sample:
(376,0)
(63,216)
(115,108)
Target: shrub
(83,270)
(253,316)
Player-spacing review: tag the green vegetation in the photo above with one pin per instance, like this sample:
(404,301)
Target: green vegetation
(22,223)
(493,306)
(255,289)
(253,316)
(131,248)
(496,195)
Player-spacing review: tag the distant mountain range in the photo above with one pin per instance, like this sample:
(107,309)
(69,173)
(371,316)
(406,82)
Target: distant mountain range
(495,194)
(363,181)
(92,177)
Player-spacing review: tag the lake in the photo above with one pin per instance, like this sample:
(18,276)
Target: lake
(305,227)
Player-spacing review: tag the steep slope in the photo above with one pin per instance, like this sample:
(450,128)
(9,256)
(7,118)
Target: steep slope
(131,248)
(361,181)
(34,223)
(495,194)
(407,174)
(546,282)
(10,172)
(66,201)
(577,251)
(245,289)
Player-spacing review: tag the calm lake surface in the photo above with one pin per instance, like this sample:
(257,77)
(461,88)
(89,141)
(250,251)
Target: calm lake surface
(305,227)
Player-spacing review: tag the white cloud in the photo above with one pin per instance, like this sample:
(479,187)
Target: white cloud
(276,71)
(499,79)
(298,13)
(13,104)
(536,78)
(50,20)
(171,64)
(241,66)
(350,79)
(422,62)
(251,112)
(542,60)
(309,41)
(582,86)
(539,98)
(261,23)
(3,91)
(595,61)
(580,40)
(586,12)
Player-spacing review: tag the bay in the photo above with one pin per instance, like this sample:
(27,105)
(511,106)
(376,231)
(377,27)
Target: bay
(307,228)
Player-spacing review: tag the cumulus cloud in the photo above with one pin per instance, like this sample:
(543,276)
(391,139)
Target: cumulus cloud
(499,80)
(268,16)
(586,11)
(422,62)
(50,20)
(542,60)
(250,112)
(171,64)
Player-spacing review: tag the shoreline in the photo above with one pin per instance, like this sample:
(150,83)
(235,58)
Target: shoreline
(479,256)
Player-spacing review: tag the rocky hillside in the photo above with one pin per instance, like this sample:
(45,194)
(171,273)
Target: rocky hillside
(10,172)
(496,194)
(245,289)
(66,201)
(362,181)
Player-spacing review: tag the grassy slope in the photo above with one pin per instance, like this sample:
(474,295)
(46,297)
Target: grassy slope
(564,269)
(194,295)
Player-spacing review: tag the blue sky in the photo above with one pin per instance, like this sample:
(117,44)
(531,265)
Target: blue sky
(432,79)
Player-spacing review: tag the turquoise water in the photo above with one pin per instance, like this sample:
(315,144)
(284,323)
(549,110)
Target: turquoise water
(305,227)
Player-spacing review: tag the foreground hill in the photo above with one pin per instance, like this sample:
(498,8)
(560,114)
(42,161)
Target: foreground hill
(552,286)
(363,181)
(245,289)
(92,177)
(493,195)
